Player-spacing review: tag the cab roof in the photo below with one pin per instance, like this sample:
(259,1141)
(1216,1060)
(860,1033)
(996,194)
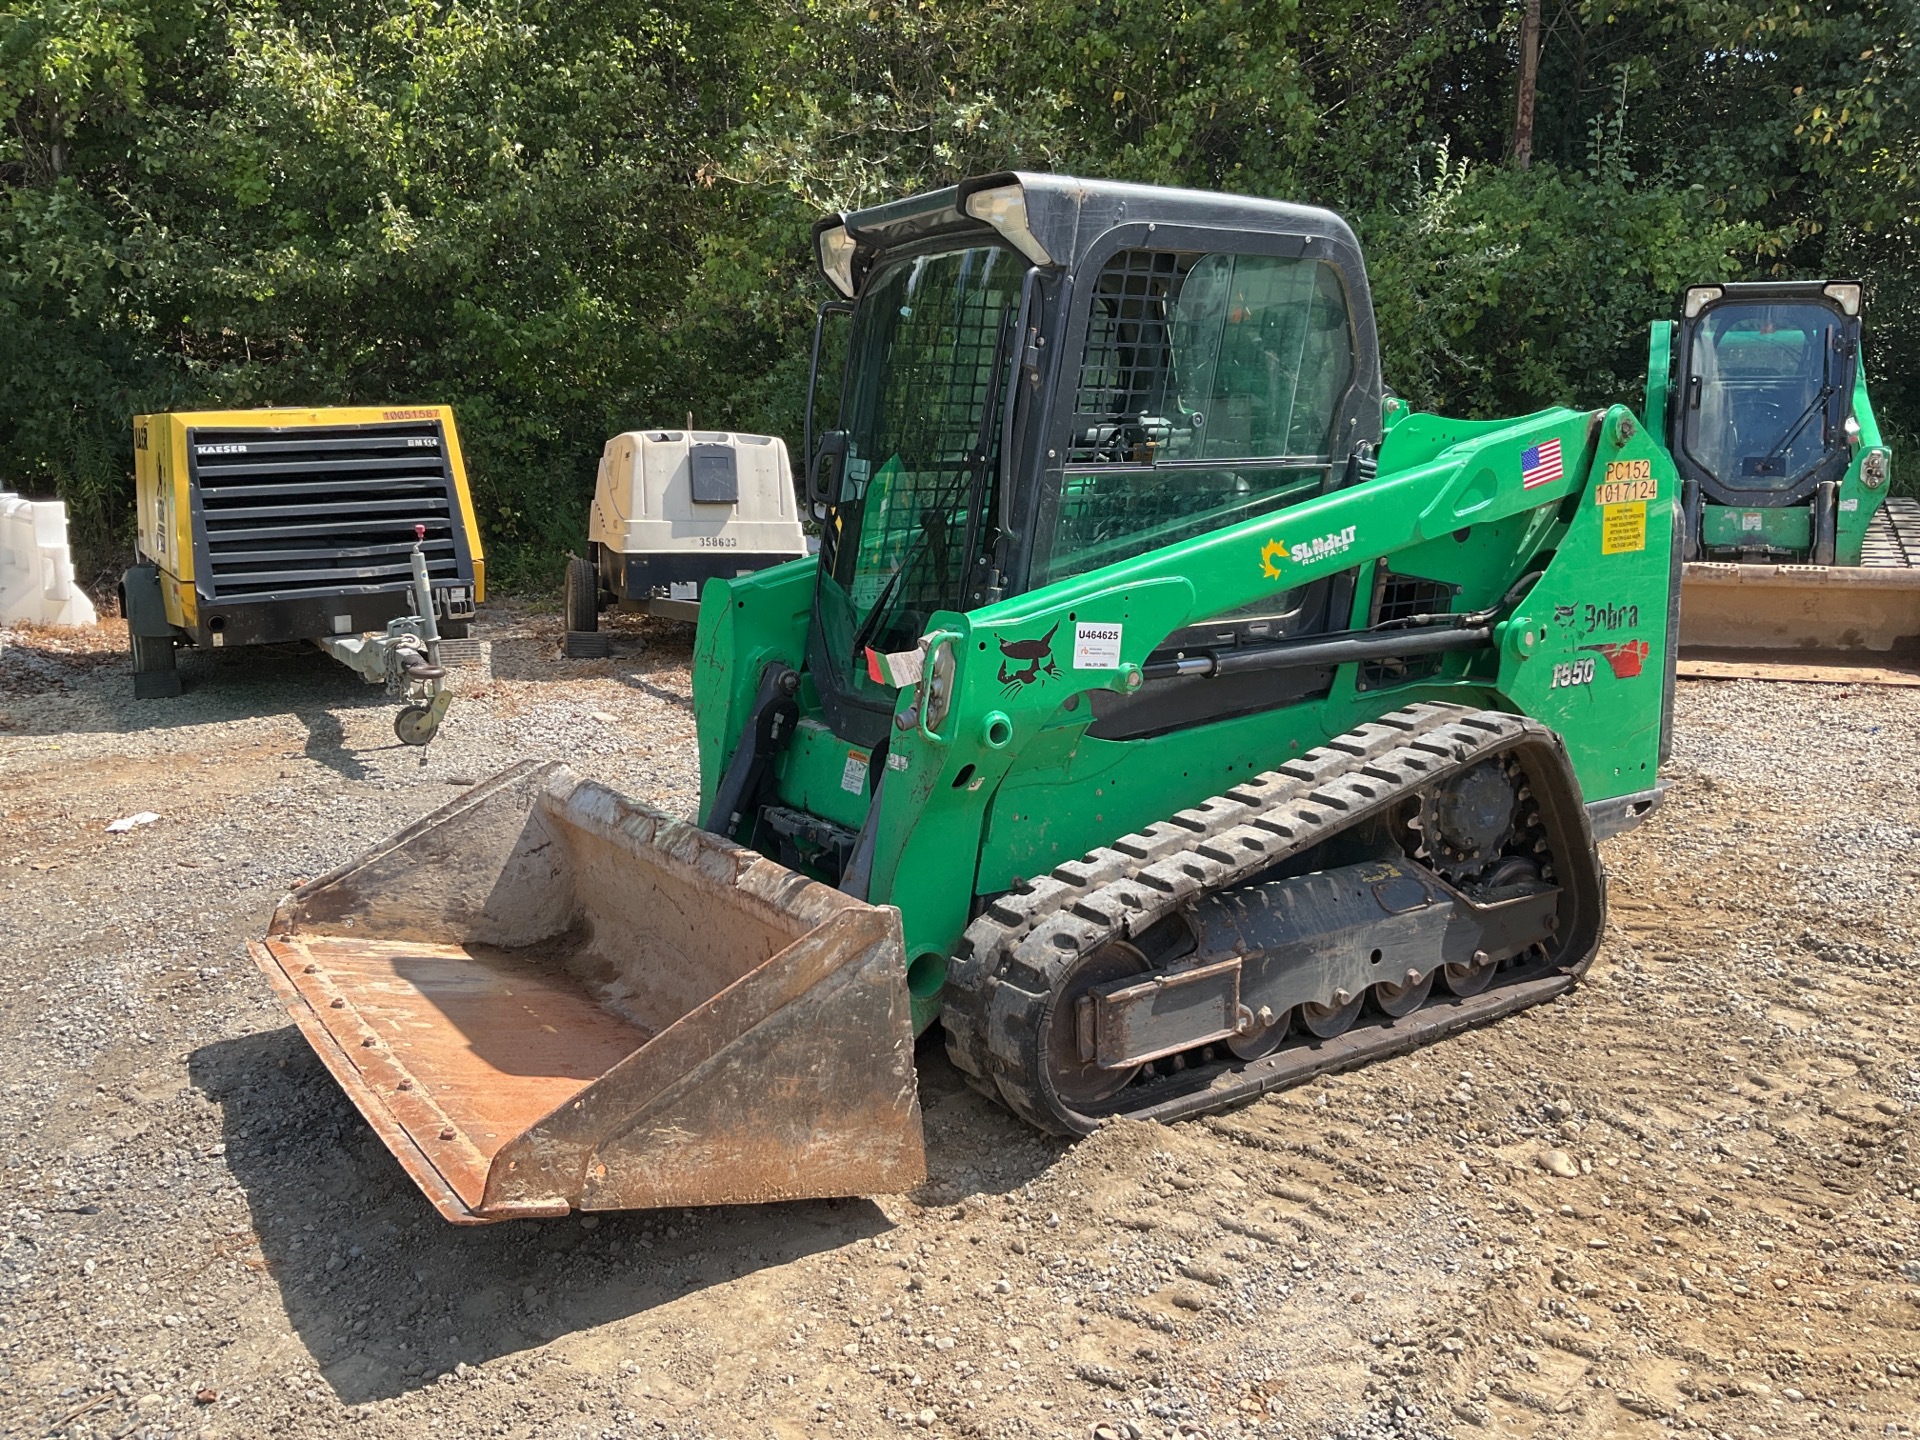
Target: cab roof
(1067,214)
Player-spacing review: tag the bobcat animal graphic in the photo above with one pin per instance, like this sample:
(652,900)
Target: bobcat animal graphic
(1039,657)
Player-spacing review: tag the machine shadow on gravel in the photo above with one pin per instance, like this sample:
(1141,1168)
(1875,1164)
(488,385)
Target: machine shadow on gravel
(538,660)
(657,692)
(327,745)
(387,1296)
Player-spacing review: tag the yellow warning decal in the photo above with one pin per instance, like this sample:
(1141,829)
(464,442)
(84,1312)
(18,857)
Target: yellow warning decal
(1623,528)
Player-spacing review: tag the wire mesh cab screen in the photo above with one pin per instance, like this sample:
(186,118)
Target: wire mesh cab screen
(1207,393)
(927,361)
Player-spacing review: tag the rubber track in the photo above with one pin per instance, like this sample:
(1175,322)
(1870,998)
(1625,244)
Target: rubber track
(1893,535)
(990,939)
(1009,956)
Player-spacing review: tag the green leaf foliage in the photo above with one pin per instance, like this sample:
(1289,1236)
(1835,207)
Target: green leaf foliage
(572,219)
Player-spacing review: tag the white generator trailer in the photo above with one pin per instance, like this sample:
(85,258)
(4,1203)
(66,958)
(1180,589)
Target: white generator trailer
(673,509)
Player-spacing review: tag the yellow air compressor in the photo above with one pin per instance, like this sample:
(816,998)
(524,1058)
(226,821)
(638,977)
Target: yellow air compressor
(349,527)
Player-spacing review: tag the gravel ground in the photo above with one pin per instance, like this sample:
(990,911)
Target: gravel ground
(1682,1198)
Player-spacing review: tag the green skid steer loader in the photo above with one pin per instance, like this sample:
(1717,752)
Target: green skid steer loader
(1799,562)
(1166,716)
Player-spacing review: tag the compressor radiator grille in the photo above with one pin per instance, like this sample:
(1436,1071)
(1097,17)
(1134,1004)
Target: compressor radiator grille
(322,509)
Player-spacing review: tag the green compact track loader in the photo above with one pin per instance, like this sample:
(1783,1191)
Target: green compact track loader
(1167,716)
(1799,562)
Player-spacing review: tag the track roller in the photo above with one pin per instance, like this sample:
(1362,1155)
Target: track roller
(1164,976)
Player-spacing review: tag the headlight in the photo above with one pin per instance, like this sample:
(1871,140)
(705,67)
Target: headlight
(1004,207)
(836,258)
(1846,293)
(1701,296)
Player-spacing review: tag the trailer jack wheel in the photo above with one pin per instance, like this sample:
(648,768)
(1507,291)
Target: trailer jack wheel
(415,724)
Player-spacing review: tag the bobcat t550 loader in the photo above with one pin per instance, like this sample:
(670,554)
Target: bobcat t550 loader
(1165,717)
(1799,563)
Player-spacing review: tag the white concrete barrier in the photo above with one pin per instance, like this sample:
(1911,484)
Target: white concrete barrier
(36,568)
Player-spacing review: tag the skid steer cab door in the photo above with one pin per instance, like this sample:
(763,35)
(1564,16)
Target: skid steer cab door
(1047,376)
(1215,376)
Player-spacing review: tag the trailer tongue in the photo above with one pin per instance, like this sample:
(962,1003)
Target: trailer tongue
(546,997)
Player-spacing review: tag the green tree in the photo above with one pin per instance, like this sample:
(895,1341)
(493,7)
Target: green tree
(568,220)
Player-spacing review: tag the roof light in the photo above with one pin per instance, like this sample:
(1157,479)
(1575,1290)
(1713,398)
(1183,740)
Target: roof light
(836,249)
(1004,207)
(1846,293)
(1701,296)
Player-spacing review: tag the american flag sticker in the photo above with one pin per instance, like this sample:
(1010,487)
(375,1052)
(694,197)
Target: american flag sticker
(1540,464)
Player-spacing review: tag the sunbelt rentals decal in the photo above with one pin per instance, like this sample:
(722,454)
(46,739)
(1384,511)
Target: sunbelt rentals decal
(1304,552)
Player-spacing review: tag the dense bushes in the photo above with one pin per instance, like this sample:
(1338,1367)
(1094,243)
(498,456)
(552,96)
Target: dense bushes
(567,219)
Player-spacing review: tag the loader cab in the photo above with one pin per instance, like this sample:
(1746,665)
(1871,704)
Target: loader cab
(1761,405)
(1045,376)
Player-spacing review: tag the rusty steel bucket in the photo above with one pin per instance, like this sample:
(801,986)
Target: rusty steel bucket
(544,996)
(1800,622)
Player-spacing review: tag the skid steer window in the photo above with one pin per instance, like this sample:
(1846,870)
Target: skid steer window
(927,361)
(1207,393)
(1767,396)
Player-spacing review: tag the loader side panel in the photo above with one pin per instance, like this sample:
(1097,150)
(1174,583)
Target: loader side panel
(745,624)
(1589,650)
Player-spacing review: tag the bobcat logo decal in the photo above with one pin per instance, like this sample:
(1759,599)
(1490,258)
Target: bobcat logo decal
(1038,655)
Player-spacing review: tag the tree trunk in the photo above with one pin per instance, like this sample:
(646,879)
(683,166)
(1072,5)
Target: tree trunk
(1529,68)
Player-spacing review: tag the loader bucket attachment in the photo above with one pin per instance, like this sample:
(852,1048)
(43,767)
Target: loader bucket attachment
(1855,623)
(544,997)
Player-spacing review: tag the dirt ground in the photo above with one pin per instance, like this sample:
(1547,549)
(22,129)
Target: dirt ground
(1682,1198)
